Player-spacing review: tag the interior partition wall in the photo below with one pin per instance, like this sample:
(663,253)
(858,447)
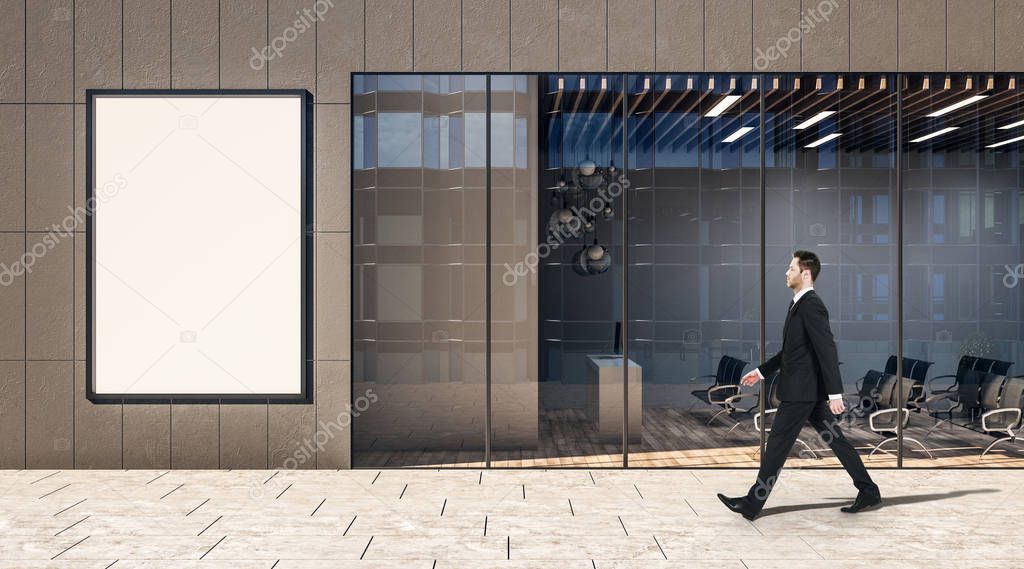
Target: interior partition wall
(574,269)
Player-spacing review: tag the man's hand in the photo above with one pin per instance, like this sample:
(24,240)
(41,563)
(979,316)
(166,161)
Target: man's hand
(836,405)
(750,378)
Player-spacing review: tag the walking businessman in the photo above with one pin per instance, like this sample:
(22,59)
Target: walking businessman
(809,388)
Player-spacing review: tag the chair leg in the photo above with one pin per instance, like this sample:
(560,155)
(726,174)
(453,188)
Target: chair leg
(733,428)
(995,442)
(716,415)
(808,448)
(949,412)
(938,422)
(879,446)
(924,448)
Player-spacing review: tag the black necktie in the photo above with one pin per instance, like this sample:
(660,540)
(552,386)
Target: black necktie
(789,312)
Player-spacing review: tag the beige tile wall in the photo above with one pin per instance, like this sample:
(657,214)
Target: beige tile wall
(52,50)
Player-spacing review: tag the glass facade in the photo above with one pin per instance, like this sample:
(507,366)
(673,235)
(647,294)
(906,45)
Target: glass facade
(556,270)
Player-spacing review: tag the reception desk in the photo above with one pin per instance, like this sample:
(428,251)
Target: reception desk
(604,397)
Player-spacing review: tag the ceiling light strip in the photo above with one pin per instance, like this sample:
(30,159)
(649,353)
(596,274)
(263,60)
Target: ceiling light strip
(814,120)
(955,106)
(740,133)
(934,134)
(1005,142)
(821,141)
(726,102)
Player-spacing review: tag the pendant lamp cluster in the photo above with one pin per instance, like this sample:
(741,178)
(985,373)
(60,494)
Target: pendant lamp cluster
(575,220)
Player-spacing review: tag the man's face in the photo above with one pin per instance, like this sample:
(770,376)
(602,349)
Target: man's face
(793,278)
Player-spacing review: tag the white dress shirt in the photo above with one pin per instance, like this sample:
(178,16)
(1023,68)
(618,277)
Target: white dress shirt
(796,298)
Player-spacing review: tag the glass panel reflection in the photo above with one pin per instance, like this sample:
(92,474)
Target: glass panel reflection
(962,253)
(830,184)
(580,271)
(516,435)
(694,267)
(419,251)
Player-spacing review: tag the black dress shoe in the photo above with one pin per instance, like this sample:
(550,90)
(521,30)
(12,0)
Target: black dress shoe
(739,505)
(864,501)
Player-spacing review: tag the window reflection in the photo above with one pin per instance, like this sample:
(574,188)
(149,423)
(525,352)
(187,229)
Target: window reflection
(961,240)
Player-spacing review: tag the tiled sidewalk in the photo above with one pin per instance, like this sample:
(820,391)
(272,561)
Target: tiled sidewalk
(503,518)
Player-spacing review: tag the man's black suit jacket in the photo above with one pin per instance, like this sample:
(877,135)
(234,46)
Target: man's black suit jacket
(808,360)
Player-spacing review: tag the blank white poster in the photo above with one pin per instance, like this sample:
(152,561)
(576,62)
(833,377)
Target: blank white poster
(197,252)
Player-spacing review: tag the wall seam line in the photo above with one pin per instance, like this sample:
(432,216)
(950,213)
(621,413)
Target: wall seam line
(267,29)
(170,56)
(170,82)
(412,33)
(74,108)
(24,241)
(87,378)
(220,49)
(266,452)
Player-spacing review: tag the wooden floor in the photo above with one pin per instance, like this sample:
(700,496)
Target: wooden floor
(680,437)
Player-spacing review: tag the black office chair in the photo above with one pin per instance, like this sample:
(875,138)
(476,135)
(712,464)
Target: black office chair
(727,384)
(880,397)
(1003,404)
(916,371)
(966,397)
(953,393)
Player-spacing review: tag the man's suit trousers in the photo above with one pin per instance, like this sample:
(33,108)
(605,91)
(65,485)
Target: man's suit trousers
(785,429)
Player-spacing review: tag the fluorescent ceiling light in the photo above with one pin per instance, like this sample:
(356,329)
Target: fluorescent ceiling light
(726,102)
(1012,125)
(956,106)
(821,141)
(738,134)
(1005,142)
(936,133)
(814,120)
